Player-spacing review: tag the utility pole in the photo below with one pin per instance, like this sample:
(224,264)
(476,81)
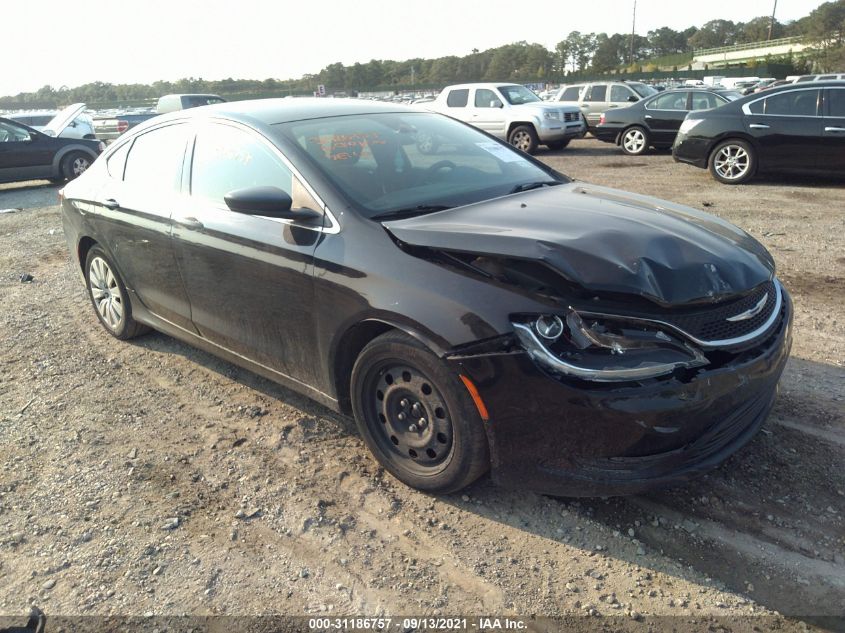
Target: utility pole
(413,90)
(772,21)
(633,30)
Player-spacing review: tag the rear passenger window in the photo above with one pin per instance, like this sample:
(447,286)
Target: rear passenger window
(704,101)
(792,103)
(597,93)
(669,101)
(571,93)
(620,93)
(155,160)
(458,98)
(836,99)
(226,158)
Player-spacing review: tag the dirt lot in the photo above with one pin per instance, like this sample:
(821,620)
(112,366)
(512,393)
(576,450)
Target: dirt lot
(148,477)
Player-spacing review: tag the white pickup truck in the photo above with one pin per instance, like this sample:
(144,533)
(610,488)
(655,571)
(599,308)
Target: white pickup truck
(513,113)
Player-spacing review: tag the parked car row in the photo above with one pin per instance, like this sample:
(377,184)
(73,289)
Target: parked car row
(655,120)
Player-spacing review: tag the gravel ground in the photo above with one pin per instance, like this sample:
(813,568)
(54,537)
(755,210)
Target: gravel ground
(151,478)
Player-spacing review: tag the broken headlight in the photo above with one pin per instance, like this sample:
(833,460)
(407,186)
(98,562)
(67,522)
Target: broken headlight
(603,349)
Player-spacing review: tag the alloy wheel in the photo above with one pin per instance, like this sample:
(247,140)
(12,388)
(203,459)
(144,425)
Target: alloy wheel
(79,165)
(732,162)
(634,141)
(106,293)
(521,140)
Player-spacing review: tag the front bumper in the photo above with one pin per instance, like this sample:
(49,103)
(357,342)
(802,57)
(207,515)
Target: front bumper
(550,131)
(579,438)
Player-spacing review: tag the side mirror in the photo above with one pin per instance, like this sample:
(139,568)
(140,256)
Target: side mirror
(633,99)
(270,202)
(496,104)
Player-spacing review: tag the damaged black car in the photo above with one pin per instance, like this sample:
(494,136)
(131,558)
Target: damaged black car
(474,309)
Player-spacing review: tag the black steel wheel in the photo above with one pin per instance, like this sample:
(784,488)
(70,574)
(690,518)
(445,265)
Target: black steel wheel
(109,296)
(416,417)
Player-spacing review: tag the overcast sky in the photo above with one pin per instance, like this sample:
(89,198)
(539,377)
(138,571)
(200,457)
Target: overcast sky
(69,43)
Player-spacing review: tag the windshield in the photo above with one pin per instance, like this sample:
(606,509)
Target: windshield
(412,162)
(731,95)
(642,89)
(517,95)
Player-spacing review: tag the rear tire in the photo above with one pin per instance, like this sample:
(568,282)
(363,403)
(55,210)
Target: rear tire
(634,141)
(732,162)
(415,416)
(109,296)
(524,137)
(75,164)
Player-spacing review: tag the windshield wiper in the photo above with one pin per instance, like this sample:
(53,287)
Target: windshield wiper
(527,186)
(409,212)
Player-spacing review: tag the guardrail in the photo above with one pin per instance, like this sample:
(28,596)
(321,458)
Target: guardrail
(751,45)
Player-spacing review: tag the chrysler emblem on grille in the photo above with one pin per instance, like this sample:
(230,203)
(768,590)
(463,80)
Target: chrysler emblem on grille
(752,312)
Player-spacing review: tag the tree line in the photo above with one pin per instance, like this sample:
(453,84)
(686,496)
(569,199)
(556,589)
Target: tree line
(520,61)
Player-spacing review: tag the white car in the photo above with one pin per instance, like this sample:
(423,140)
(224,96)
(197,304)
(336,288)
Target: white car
(511,112)
(71,122)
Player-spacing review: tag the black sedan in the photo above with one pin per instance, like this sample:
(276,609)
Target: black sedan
(471,307)
(654,121)
(27,154)
(797,127)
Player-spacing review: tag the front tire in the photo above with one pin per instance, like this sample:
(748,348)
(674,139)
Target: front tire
(415,416)
(75,164)
(524,137)
(635,141)
(109,296)
(732,162)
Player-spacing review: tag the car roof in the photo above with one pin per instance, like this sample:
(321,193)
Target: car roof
(480,84)
(273,111)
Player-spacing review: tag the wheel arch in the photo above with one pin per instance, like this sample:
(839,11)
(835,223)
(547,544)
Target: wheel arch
(85,244)
(516,124)
(68,149)
(349,344)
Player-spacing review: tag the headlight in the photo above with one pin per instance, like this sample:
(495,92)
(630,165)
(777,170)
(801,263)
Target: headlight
(603,349)
(687,125)
(551,115)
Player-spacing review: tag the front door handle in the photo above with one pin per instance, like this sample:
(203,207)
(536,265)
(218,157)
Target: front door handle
(189,223)
(835,130)
(110,203)
(647,116)
(758,126)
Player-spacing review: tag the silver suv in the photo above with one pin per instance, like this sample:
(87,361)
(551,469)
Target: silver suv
(511,112)
(595,98)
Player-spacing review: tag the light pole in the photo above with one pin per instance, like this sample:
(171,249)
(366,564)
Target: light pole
(772,21)
(633,30)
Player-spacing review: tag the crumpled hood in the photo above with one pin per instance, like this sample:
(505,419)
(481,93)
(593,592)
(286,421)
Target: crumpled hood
(604,240)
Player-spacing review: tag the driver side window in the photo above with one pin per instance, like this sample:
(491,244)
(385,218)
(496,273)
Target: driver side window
(485,98)
(10,133)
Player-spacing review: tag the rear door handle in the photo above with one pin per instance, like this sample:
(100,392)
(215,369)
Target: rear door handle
(110,203)
(836,130)
(189,223)
(758,126)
